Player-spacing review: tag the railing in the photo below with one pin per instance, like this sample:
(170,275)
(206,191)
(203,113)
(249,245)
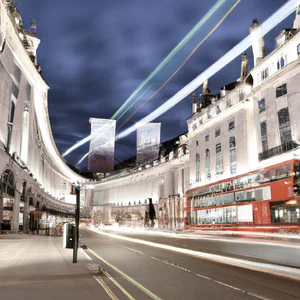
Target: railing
(278,150)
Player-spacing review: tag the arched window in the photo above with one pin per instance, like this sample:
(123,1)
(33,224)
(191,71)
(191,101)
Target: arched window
(232,149)
(207,164)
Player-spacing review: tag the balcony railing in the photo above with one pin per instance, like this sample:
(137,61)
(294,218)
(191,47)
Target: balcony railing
(278,150)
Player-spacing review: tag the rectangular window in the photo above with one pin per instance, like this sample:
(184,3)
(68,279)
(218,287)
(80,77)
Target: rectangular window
(10,121)
(298,50)
(207,164)
(219,160)
(207,138)
(284,126)
(197,167)
(218,110)
(25,132)
(232,155)
(231,125)
(264,136)
(218,132)
(281,90)
(261,105)
(264,74)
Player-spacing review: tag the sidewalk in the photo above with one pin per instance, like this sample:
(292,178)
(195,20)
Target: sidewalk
(37,267)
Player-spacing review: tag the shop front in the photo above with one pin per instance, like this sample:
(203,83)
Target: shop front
(285,212)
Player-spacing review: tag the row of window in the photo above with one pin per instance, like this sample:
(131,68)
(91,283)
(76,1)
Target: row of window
(231,126)
(219,160)
(280,91)
(284,129)
(281,62)
(217,110)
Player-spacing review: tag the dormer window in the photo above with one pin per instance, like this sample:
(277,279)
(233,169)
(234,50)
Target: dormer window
(264,74)
(281,62)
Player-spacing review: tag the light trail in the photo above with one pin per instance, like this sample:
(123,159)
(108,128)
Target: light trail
(269,24)
(266,26)
(211,18)
(173,53)
(184,62)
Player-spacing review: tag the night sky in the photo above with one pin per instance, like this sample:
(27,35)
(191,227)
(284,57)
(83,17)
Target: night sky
(94,54)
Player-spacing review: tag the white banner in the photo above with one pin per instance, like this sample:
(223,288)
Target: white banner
(102,146)
(148,142)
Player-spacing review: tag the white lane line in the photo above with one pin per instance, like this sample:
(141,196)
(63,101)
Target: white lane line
(137,251)
(234,288)
(171,264)
(87,256)
(273,269)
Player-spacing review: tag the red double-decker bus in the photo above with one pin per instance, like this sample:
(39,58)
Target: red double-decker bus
(270,195)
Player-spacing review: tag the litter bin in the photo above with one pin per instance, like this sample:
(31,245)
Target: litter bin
(68,236)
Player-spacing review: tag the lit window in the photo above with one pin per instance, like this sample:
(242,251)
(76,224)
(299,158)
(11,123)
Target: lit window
(281,90)
(264,136)
(219,160)
(218,132)
(197,167)
(207,164)
(232,155)
(231,125)
(207,138)
(284,126)
(264,74)
(261,105)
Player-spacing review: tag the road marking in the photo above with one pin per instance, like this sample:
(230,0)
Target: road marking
(171,264)
(118,285)
(234,288)
(278,270)
(142,288)
(137,251)
(106,288)
(87,256)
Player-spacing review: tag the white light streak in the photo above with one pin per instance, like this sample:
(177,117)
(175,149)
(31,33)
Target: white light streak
(261,267)
(269,24)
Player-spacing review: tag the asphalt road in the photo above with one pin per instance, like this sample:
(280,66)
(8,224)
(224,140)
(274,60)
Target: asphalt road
(146,272)
(285,253)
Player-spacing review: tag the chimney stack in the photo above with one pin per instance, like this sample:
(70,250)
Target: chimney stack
(258,44)
(297,18)
(244,67)
(194,104)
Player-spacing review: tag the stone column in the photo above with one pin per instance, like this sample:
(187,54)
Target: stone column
(15,213)
(25,216)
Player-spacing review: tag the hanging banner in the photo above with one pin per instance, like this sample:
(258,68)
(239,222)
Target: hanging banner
(102,146)
(148,142)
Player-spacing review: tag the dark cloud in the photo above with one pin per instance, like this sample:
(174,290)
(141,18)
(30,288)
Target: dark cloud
(94,54)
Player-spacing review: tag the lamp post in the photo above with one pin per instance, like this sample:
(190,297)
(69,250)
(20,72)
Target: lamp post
(76,228)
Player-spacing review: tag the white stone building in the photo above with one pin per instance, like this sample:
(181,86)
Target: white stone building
(33,174)
(244,144)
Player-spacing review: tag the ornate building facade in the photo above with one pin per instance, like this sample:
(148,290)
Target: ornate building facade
(34,178)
